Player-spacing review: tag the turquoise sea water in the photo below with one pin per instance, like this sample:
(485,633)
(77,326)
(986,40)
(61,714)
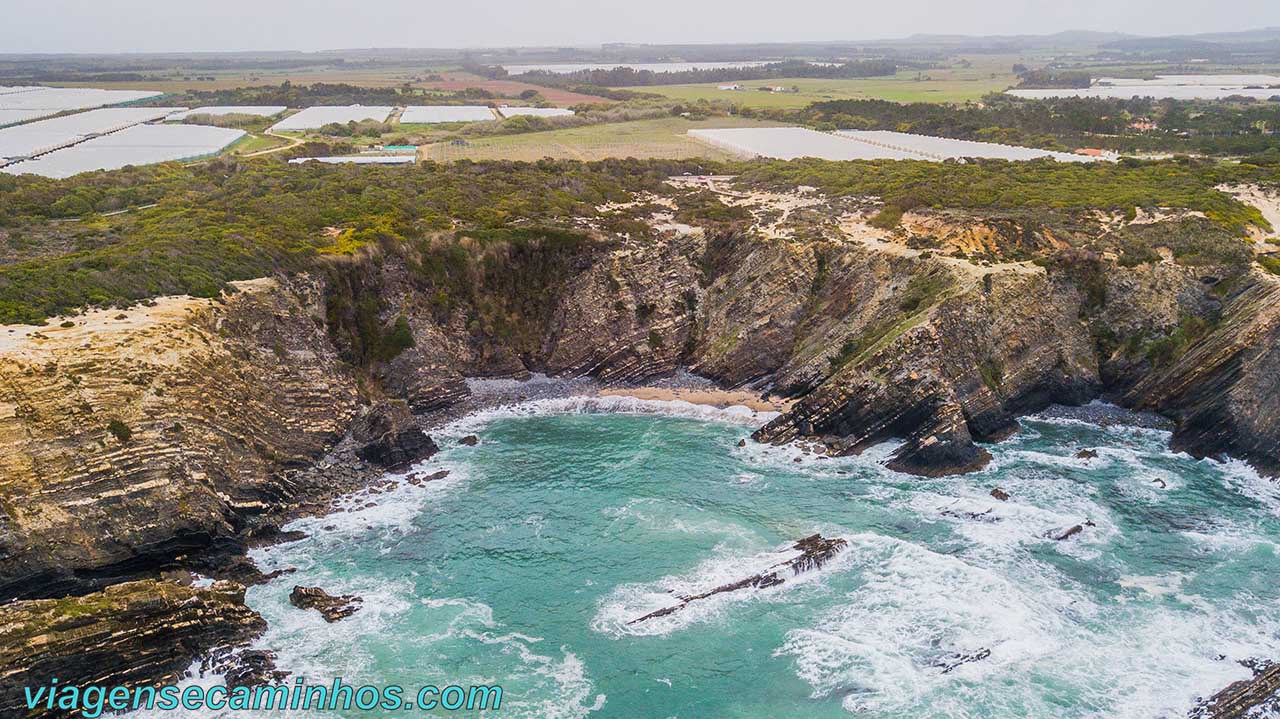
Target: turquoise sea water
(523,567)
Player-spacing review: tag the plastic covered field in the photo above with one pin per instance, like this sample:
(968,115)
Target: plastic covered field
(20,104)
(432,114)
(789,143)
(927,147)
(220,110)
(314,118)
(137,145)
(45,135)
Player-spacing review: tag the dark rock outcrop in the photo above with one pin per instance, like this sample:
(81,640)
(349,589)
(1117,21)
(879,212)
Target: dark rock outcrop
(332,608)
(956,660)
(815,551)
(948,363)
(1259,696)
(244,667)
(131,634)
(388,436)
(1224,390)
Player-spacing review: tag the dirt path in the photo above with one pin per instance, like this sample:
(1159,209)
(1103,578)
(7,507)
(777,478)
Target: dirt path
(293,142)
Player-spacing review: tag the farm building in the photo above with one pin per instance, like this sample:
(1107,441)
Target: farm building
(358,160)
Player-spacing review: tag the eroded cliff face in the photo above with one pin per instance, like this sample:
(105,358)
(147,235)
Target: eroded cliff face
(135,633)
(131,438)
(942,331)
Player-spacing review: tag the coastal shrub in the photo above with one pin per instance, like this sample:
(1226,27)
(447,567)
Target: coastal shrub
(119,430)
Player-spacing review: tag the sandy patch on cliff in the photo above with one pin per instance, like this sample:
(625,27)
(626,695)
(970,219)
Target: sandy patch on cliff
(855,228)
(107,327)
(1267,202)
(720,398)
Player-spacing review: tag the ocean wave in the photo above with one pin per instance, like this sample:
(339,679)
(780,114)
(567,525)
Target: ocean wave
(913,640)
(1244,479)
(584,404)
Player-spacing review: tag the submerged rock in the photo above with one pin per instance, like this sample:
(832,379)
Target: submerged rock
(332,608)
(815,551)
(1069,533)
(418,480)
(1259,696)
(959,659)
(1087,454)
(1000,494)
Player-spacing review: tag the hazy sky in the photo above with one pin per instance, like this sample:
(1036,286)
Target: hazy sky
(212,25)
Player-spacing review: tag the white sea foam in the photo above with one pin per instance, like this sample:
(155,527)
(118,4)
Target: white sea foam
(366,515)
(996,529)
(887,647)
(1157,586)
(584,404)
(914,614)
(655,516)
(1240,477)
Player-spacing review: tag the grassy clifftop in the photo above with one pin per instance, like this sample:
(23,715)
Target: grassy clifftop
(228,220)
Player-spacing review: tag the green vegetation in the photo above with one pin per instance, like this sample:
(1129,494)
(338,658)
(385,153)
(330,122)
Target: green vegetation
(664,137)
(466,225)
(799,92)
(1043,185)
(119,430)
(1133,125)
(629,77)
(1165,350)
(228,220)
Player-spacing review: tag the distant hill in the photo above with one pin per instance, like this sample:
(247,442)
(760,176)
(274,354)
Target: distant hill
(1266,34)
(1066,37)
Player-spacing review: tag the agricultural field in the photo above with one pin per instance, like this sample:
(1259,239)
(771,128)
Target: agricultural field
(256,143)
(456,81)
(969,80)
(664,138)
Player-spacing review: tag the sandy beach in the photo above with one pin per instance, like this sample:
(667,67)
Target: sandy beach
(705,396)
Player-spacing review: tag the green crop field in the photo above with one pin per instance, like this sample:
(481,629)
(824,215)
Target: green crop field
(953,84)
(664,138)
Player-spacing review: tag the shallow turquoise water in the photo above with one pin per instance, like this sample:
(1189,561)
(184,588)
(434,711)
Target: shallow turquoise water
(524,566)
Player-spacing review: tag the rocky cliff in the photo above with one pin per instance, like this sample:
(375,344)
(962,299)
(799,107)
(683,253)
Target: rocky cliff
(135,633)
(133,438)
